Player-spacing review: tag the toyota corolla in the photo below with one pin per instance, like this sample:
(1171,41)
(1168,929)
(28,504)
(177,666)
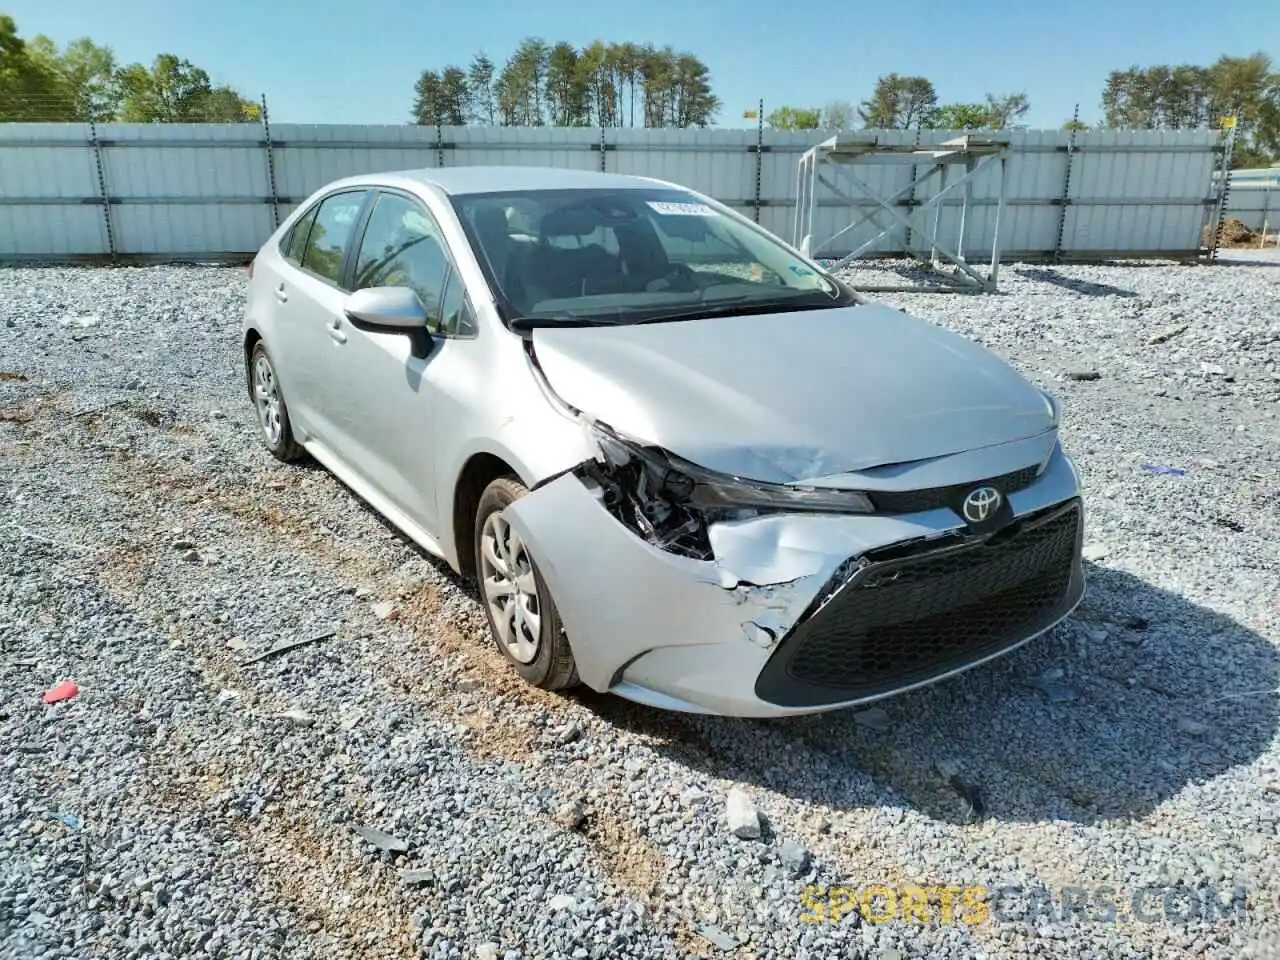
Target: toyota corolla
(682,461)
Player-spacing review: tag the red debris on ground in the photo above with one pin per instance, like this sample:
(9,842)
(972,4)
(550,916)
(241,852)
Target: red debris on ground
(63,691)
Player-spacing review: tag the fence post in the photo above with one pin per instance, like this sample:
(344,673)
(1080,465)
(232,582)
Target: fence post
(439,144)
(1224,189)
(602,163)
(1065,199)
(912,201)
(271,164)
(102,188)
(759,156)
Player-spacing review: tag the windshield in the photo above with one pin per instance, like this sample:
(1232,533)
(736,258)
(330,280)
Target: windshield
(632,255)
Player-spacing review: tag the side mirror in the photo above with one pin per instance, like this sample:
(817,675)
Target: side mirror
(392,310)
(389,309)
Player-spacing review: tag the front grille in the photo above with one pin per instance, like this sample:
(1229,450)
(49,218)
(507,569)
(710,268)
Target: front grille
(906,620)
(934,498)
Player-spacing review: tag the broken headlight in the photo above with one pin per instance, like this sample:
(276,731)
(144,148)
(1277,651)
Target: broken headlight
(671,502)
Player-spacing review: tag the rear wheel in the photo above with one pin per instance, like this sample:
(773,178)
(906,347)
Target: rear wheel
(273,412)
(522,616)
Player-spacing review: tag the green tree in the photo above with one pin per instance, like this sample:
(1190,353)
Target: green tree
(226,105)
(794,118)
(441,98)
(626,60)
(1079,126)
(1188,96)
(509,96)
(566,87)
(85,72)
(596,70)
(428,99)
(839,115)
(455,96)
(31,89)
(961,116)
(1184,97)
(1002,111)
(483,105)
(608,84)
(899,103)
(175,90)
(528,71)
(657,79)
(693,103)
(1247,89)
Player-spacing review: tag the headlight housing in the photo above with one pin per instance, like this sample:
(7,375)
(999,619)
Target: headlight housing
(688,483)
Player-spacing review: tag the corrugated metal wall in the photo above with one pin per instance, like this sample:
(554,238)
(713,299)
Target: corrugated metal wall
(195,190)
(1255,205)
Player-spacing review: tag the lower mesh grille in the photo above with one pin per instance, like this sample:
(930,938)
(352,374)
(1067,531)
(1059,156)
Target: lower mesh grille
(904,621)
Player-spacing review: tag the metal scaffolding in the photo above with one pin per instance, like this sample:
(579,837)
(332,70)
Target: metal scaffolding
(838,157)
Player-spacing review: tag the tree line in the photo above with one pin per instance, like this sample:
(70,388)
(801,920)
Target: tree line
(1187,96)
(626,85)
(1161,97)
(40,82)
(904,103)
(602,84)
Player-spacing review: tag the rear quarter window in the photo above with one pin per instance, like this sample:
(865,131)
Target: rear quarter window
(327,242)
(295,240)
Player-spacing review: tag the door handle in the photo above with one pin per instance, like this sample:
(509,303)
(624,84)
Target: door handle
(336,332)
(282,294)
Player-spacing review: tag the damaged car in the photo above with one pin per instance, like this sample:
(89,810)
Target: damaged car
(682,461)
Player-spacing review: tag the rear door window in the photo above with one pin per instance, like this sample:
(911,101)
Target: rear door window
(330,233)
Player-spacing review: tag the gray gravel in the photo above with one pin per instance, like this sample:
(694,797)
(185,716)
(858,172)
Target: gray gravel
(389,790)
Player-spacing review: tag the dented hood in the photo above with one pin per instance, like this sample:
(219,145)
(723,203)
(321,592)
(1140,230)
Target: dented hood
(794,396)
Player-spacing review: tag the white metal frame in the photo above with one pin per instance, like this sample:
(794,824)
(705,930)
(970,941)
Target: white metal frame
(841,153)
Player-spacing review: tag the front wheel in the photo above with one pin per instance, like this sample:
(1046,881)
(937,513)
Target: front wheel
(522,616)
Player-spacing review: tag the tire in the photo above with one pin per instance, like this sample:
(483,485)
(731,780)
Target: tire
(270,407)
(546,662)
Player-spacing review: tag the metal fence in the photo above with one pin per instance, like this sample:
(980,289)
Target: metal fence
(1255,201)
(216,191)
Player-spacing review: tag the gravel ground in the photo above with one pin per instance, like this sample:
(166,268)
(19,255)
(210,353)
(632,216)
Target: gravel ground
(388,790)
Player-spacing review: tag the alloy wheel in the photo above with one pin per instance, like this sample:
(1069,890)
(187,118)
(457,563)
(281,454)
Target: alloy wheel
(510,588)
(266,395)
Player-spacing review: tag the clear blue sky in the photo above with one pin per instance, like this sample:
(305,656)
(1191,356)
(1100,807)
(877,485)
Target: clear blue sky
(357,62)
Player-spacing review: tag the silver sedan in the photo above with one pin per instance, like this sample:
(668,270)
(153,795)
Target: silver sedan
(683,462)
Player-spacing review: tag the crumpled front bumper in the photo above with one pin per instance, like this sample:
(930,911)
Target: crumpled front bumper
(721,636)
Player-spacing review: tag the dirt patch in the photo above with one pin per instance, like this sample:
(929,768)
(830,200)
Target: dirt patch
(1235,233)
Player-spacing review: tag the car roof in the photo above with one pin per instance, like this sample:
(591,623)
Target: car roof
(461,181)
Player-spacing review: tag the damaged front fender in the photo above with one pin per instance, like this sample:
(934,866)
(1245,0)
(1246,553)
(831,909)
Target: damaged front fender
(621,597)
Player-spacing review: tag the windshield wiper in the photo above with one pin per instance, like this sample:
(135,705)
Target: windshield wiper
(523,324)
(742,306)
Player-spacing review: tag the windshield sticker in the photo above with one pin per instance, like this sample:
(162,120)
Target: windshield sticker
(672,209)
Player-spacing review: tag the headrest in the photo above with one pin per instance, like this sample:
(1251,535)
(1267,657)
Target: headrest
(490,221)
(574,221)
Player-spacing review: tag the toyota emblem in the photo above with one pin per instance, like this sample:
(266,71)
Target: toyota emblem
(981,504)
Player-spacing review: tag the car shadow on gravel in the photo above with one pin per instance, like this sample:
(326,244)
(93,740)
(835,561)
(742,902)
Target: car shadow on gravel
(1155,693)
(1083,287)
